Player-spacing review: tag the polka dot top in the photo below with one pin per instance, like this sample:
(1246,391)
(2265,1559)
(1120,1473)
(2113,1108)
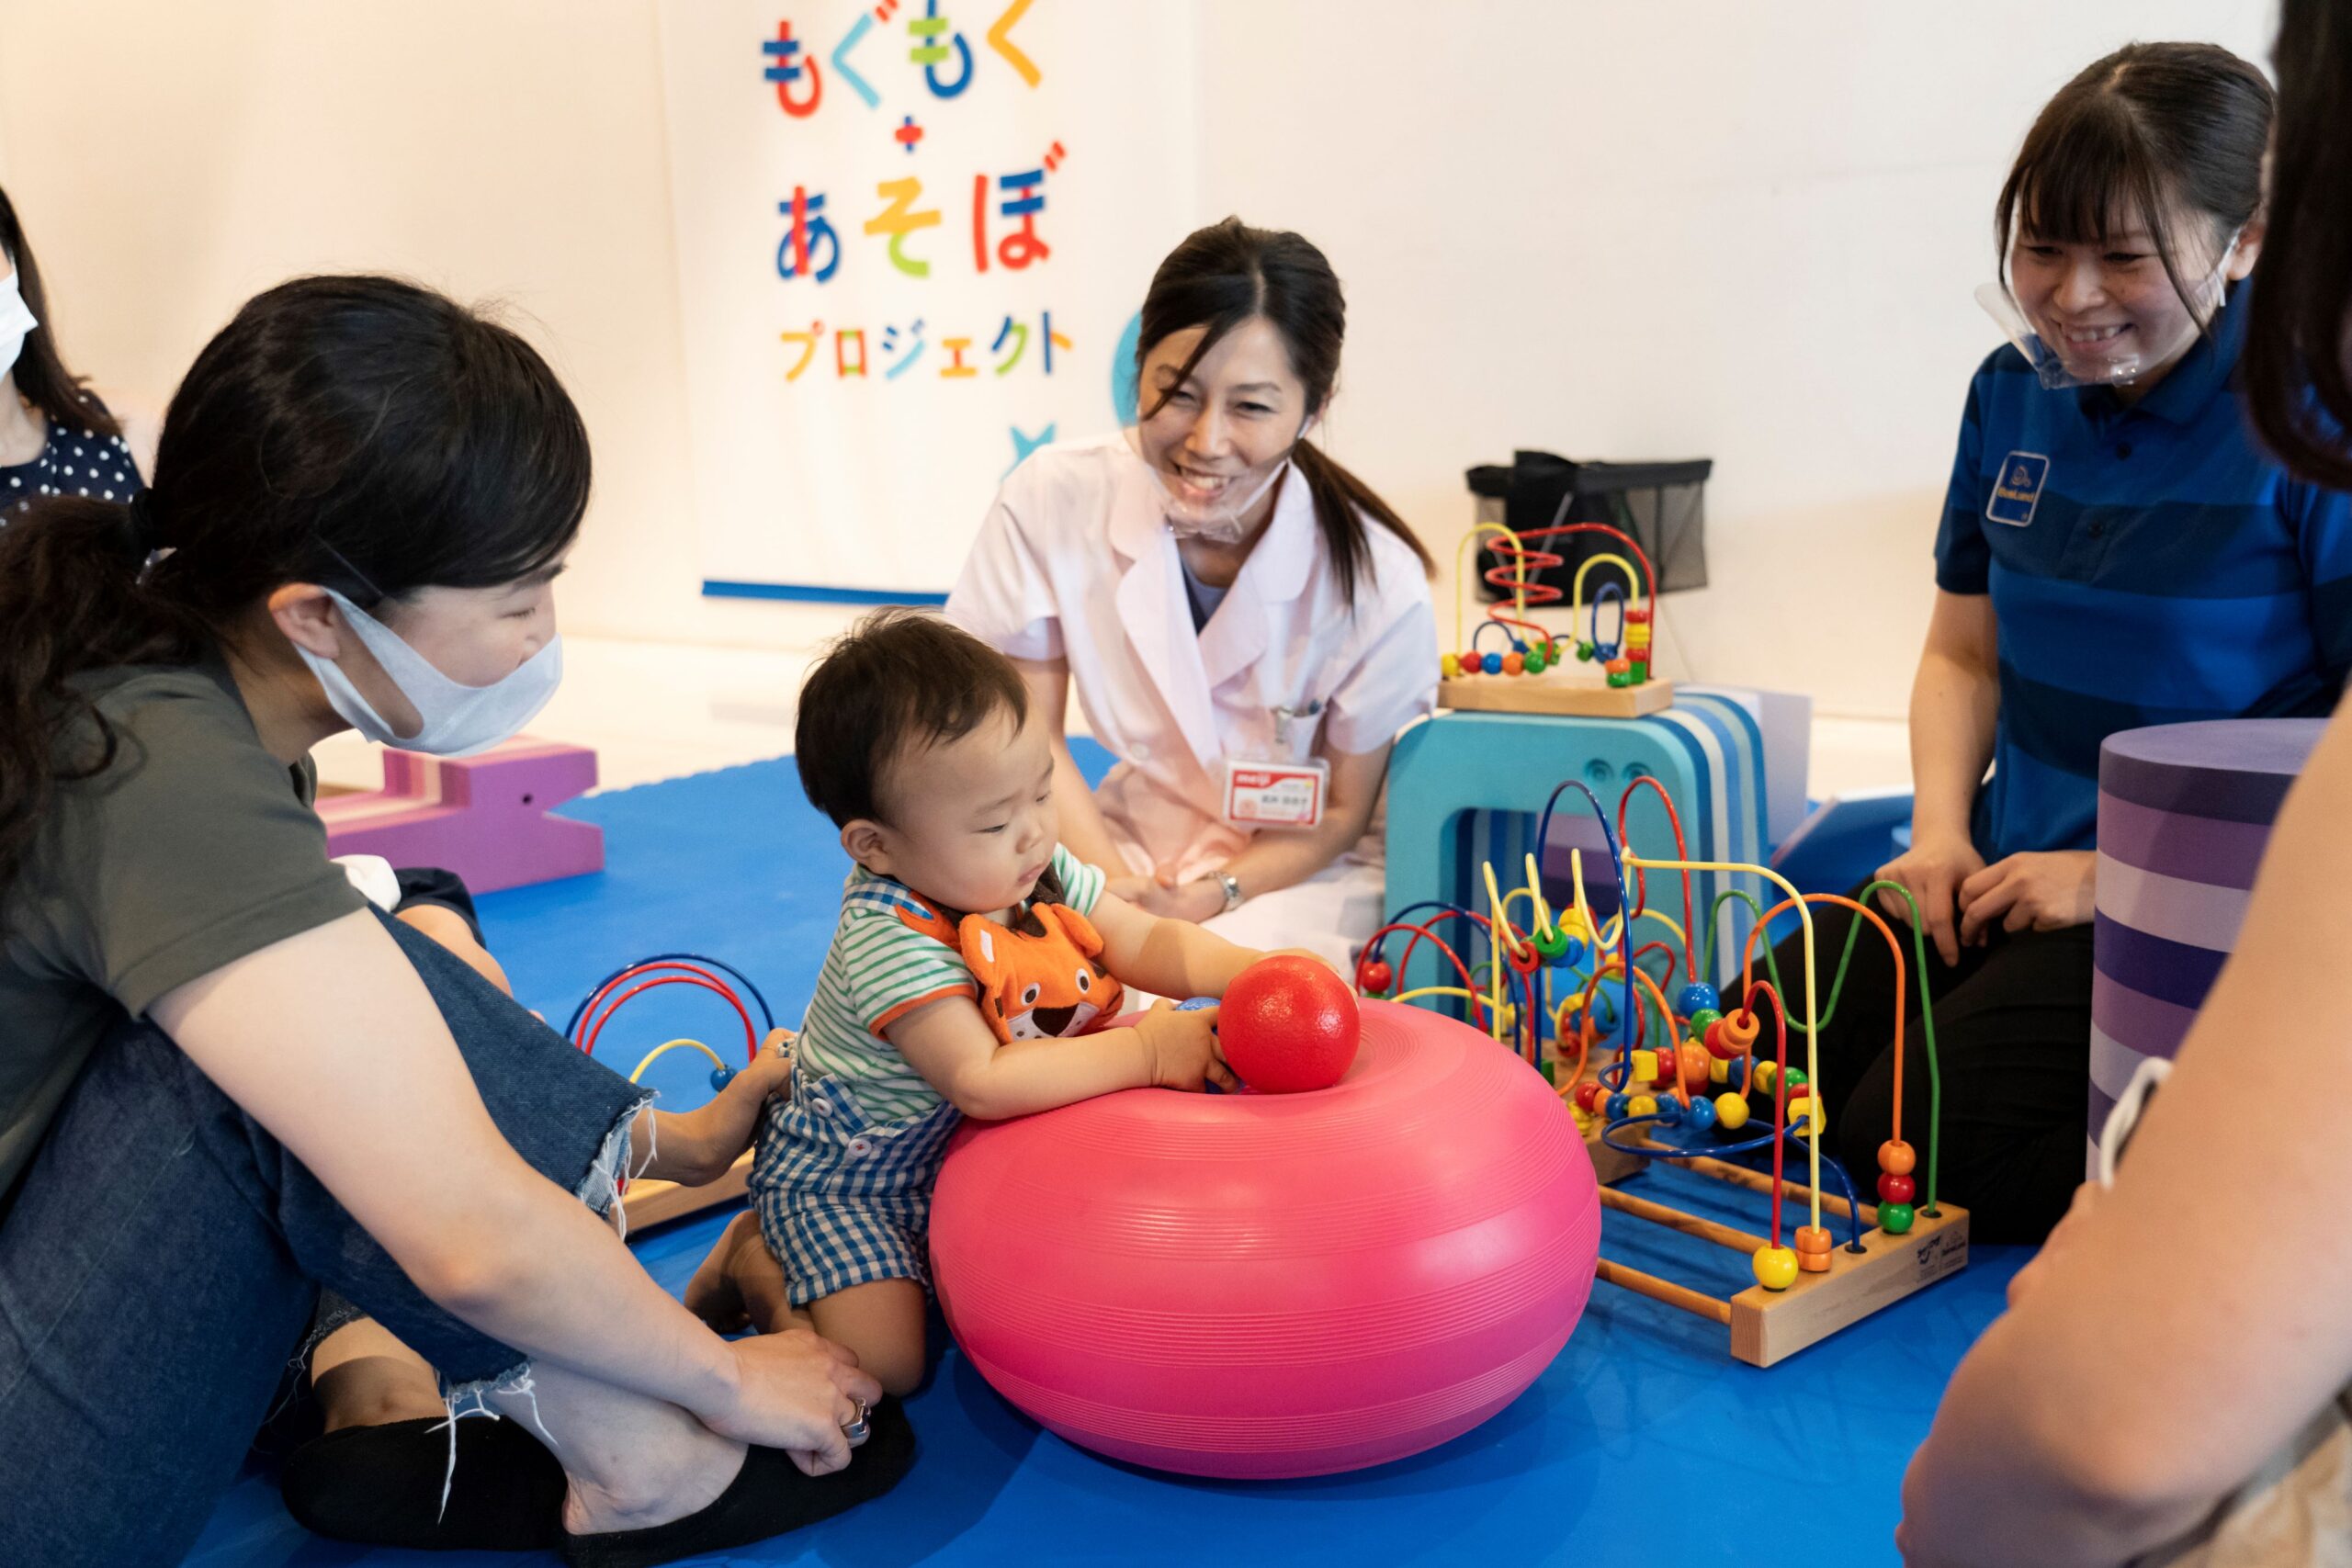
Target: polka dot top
(74,461)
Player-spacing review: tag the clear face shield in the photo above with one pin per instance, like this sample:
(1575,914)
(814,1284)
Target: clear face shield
(2088,362)
(1211,501)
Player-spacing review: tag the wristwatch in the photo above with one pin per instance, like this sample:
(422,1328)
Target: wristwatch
(1232,885)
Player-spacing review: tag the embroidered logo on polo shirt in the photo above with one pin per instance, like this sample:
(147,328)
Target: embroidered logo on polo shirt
(2017,489)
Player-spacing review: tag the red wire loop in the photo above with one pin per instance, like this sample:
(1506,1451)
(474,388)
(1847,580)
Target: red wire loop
(592,1026)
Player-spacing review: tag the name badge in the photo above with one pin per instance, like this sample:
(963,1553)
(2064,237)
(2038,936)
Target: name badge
(2017,489)
(1276,794)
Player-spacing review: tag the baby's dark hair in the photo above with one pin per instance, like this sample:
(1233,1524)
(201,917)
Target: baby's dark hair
(900,681)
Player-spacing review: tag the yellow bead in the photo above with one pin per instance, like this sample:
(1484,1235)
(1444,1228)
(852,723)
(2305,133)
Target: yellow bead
(1807,1119)
(1449,666)
(1719,1070)
(1776,1268)
(1646,1066)
(1731,1111)
(1767,1074)
(1641,1105)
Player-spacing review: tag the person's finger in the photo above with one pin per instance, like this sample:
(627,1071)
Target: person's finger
(806,1462)
(852,1420)
(1936,907)
(1165,874)
(1987,908)
(859,1386)
(830,1454)
(1977,881)
(2021,916)
(1223,1076)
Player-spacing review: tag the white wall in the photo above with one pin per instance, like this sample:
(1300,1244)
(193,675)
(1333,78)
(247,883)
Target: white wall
(1609,228)
(170,160)
(1668,228)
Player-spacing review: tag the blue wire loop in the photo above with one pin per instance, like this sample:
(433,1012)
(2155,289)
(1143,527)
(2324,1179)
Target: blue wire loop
(1509,641)
(1608,649)
(1749,1145)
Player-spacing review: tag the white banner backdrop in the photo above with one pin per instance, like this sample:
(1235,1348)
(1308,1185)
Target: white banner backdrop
(912,240)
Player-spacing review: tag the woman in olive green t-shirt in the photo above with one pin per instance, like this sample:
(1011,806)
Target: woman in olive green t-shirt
(223,1082)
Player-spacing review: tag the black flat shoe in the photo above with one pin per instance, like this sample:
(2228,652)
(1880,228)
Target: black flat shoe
(768,1496)
(381,1486)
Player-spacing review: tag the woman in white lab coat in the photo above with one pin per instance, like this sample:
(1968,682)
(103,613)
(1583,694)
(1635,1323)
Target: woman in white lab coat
(1222,596)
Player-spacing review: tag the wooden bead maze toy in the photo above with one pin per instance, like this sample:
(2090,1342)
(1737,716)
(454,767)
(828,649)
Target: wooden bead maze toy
(1529,670)
(1683,1080)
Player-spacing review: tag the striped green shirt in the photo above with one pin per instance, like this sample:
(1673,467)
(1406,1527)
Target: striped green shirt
(881,968)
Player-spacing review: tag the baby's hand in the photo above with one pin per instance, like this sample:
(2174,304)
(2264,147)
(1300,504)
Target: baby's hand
(1183,1048)
(771,1071)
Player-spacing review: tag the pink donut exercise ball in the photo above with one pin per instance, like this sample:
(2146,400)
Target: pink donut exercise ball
(1288,1025)
(1264,1285)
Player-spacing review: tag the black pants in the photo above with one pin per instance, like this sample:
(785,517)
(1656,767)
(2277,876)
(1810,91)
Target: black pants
(431,885)
(2013,1022)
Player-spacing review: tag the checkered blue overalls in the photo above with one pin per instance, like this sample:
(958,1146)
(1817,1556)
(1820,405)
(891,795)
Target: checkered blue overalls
(844,1201)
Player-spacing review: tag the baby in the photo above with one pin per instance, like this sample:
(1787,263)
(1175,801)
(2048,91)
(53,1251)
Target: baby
(972,964)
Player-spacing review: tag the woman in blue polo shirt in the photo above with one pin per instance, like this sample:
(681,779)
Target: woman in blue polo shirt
(2115,551)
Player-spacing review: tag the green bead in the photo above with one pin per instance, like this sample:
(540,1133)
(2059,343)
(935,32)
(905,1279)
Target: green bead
(1535,663)
(1701,1020)
(1895,1218)
(1584,653)
(1641,672)
(1620,677)
(1552,942)
(1796,1077)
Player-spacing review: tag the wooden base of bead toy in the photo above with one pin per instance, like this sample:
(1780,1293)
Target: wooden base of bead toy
(653,1202)
(1549,694)
(1610,1165)
(1771,1325)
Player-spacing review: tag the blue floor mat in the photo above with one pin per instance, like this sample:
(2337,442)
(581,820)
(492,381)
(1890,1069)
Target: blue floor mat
(1645,1441)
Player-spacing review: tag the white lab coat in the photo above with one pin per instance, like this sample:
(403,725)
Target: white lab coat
(1075,561)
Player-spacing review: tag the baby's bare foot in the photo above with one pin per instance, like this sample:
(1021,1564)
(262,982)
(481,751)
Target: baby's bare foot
(740,1284)
(713,1294)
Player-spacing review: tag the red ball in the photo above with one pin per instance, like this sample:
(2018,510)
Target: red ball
(1893,1189)
(1288,1025)
(1376,977)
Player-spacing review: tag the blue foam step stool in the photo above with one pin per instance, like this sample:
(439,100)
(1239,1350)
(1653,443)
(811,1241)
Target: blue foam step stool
(1466,788)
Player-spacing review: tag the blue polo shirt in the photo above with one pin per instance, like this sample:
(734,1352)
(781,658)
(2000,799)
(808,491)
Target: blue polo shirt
(2149,564)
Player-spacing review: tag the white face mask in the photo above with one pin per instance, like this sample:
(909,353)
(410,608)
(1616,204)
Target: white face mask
(16,321)
(458,720)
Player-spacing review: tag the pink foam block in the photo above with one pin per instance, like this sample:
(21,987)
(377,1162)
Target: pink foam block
(484,818)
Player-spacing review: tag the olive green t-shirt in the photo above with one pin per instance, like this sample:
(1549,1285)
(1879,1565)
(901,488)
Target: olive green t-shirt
(192,850)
